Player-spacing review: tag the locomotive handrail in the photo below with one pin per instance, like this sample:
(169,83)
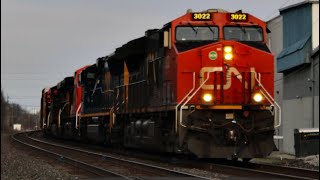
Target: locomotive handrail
(100,88)
(158,58)
(95,87)
(111,122)
(77,115)
(48,120)
(59,117)
(107,91)
(116,99)
(190,97)
(194,85)
(137,82)
(130,84)
(269,98)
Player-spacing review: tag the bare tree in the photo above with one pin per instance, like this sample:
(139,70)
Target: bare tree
(12,113)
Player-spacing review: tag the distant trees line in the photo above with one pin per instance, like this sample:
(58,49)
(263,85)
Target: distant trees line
(12,113)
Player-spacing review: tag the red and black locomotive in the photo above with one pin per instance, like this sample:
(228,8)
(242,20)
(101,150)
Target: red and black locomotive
(202,84)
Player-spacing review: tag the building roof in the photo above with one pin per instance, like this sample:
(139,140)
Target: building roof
(272,19)
(298,4)
(294,47)
(294,55)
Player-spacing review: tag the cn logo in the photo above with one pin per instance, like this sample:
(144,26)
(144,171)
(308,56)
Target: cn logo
(230,72)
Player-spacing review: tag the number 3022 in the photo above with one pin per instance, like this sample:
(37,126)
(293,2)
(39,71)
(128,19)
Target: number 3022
(201,16)
(238,17)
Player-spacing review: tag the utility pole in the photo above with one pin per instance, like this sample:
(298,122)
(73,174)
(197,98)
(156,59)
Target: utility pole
(8,114)
(10,118)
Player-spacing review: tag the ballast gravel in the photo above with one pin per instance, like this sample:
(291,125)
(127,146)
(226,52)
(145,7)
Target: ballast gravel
(283,159)
(312,160)
(21,164)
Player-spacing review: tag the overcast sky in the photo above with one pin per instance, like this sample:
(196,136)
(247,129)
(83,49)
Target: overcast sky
(43,41)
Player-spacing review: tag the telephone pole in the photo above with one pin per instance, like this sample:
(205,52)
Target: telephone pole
(10,113)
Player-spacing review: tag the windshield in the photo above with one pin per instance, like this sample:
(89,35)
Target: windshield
(197,33)
(243,33)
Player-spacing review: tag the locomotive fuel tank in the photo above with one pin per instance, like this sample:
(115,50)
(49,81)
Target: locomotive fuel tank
(95,131)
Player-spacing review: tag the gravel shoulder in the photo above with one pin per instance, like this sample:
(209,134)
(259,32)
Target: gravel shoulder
(23,163)
(283,159)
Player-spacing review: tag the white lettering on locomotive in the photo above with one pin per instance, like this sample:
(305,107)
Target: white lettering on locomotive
(228,74)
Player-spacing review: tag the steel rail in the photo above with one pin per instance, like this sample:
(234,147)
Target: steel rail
(236,169)
(293,171)
(105,156)
(258,170)
(269,173)
(85,166)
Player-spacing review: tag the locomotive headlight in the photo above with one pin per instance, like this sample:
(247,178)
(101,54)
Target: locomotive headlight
(228,54)
(227,49)
(207,97)
(257,97)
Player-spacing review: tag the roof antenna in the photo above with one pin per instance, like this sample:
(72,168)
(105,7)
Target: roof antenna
(189,11)
(239,11)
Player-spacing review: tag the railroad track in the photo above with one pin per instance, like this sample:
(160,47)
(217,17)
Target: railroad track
(256,170)
(233,169)
(298,173)
(90,170)
(101,164)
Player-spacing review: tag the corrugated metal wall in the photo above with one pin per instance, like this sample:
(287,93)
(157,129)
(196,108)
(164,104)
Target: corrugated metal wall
(296,24)
(297,29)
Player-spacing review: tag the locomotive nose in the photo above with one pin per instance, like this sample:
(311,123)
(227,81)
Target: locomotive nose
(212,55)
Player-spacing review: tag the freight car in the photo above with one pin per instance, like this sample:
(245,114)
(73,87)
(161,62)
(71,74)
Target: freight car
(202,84)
